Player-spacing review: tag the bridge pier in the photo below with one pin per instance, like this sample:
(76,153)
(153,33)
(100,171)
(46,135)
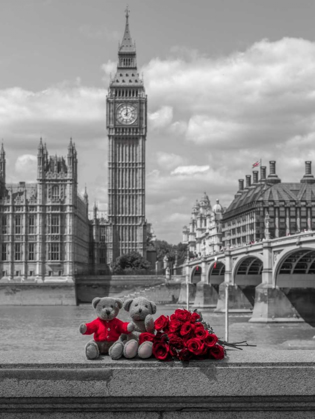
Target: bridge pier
(273,306)
(238,302)
(206,295)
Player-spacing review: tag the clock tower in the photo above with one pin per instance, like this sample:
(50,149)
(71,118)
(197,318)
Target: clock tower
(126,120)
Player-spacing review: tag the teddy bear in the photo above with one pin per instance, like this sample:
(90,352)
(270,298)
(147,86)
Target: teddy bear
(140,310)
(106,328)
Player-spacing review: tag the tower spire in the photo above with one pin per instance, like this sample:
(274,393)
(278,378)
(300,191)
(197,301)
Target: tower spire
(126,44)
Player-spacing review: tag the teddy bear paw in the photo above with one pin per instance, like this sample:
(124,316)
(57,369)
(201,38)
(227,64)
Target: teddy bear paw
(116,350)
(145,350)
(91,350)
(131,349)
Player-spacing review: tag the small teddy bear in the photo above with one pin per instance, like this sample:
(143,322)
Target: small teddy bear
(106,328)
(140,310)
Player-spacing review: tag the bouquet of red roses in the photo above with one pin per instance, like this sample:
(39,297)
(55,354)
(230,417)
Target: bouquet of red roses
(183,336)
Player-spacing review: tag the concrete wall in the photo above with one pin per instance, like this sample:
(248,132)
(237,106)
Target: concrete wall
(250,384)
(37,294)
(116,286)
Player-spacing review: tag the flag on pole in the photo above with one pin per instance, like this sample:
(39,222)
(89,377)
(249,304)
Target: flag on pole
(215,262)
(255,164)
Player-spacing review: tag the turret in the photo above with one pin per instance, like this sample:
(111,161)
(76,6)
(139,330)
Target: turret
(86,200)
(2,170)
(41,160)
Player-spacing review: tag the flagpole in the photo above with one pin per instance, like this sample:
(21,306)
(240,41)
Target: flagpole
(187,296)
(227,313)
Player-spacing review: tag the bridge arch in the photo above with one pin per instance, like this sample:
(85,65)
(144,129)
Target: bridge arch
(195,275)
(295,268)
(215,274)
(248,270)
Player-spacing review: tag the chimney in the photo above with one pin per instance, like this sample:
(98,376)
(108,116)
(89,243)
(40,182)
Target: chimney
(273,178)
(248,183)
(263,173)
(255,176)
(308,177)
(241,184)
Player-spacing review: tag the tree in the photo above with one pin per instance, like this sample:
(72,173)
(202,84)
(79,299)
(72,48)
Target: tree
(163,248)
(131,263)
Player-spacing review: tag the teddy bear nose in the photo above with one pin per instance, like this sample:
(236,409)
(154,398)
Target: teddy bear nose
(107,311)
(140,310)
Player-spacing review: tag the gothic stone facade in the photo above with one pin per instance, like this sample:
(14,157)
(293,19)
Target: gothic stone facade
(44,225)
(126,227)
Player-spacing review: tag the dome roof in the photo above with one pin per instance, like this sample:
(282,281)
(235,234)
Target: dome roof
(196,207)
(217,208)
(205,201)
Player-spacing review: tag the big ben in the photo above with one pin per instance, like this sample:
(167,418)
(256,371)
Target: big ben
(126,120)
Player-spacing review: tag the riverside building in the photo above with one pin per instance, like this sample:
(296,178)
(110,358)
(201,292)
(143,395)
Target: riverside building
(262,205)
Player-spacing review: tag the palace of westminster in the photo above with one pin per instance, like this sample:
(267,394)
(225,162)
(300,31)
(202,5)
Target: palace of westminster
(46,233)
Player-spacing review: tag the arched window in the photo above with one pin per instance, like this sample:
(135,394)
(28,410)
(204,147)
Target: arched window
(55,193)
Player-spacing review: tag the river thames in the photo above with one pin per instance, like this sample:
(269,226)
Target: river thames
(25,329)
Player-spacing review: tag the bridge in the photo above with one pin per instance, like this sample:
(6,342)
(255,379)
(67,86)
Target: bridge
(273,278)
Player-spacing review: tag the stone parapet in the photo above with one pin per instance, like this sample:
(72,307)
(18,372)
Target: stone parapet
(254,383)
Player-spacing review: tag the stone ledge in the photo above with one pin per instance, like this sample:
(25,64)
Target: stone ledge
(249,383)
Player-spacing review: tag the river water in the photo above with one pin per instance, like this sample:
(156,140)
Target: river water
(24,327)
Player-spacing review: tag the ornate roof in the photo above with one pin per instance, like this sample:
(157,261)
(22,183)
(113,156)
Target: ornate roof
(127,44)
(264,192)
(205,201)
(196,207)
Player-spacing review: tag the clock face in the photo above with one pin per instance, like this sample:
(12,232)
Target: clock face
(127,114)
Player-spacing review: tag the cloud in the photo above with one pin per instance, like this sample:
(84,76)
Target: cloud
(161,118)
(262,94)
(58,112)
(190,170)
(169,160)
(209,119)
(26,167)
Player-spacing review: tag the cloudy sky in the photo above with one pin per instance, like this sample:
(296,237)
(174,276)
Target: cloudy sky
(229,82)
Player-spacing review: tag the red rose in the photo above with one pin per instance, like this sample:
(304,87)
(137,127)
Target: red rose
(216,352)
(186,329)
(182,315)
(175,344)
(196,346)
(161,323)
(194,317)
(146,337)
(160,337)
(160,350)
(185,355)
(174,325)
(210,340)
(200,331)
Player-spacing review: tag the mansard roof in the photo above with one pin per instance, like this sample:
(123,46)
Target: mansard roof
(256,195)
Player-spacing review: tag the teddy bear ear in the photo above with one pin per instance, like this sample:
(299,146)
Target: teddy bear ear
(95,301)
(127,304)
(118,302)
(153,307)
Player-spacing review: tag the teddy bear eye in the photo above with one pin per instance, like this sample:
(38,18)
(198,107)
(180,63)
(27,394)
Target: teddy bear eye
(136,305)
(104,306)
(112,306)
(146,306)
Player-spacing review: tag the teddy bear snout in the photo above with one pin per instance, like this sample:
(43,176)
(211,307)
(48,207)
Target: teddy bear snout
(108,312)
